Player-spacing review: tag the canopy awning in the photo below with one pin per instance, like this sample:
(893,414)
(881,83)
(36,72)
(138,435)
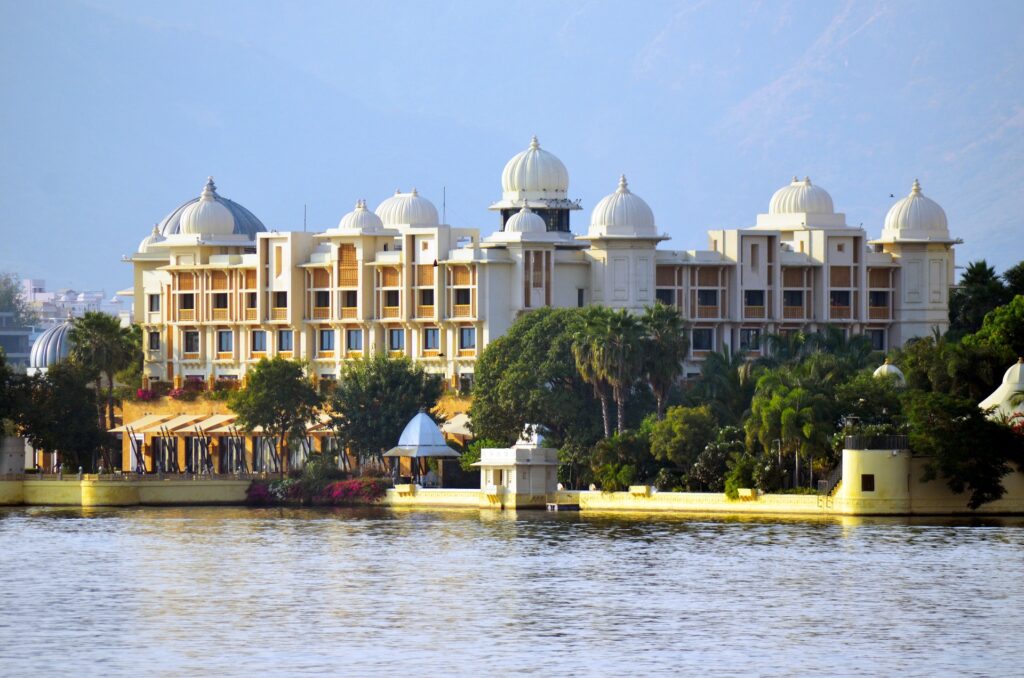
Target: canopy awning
(140,425)
(458,426)
(179,422)
(214,422)
(420,451)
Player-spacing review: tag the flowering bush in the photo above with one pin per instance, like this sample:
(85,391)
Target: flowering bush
(259,494)
(355,491)
(145,395)
(302,491)
(182,394)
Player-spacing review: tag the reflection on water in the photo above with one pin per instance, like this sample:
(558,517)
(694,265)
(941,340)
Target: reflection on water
(245,591)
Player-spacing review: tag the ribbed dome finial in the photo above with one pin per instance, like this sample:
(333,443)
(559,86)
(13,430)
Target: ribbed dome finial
(795,180)
(534,144)
(916,188)
(623,184)
(208,190)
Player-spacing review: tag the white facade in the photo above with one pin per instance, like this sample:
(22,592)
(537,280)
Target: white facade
(215,292)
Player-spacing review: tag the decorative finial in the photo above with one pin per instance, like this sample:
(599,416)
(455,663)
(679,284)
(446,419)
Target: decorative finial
(807,180)
(156,230)
(534,144)
(414,193)
(1020,360)
(886,361)
(209,190)
(795,180)
(916,189)
(623,184)
(526,208)
(398,191)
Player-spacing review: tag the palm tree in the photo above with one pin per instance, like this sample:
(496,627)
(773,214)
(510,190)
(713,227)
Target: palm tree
(665,347)
(585,346)
(620,359)
(101,345)
(727,382)
(783,349)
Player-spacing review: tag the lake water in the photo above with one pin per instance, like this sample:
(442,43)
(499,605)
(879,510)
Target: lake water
(236,591)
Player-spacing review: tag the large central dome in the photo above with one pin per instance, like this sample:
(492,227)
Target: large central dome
(622,214)
(408,209)
(535,173)
(801,197)
(243,222)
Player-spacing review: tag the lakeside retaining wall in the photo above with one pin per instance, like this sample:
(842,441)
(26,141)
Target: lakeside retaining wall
(94,491)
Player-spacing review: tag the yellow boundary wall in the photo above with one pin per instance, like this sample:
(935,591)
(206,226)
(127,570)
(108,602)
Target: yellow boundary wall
(92,491)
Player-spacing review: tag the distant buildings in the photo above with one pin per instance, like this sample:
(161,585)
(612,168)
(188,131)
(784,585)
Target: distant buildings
(53,307)
(215,291)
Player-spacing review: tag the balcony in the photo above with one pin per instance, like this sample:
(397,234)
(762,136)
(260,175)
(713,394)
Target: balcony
(462,311)
(878,312)
(839,313)
(225,355)
(279,314)
(321,312)
(348,277)
(349,312)
(425,312)
(390,312)
(753,312)
(219,314)
(187,314)
(324,355)
(190,355)
(793,312)
(250,314)
(467,352)
(707,312)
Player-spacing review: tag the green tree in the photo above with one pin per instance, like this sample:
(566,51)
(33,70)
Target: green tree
(13,301)
(1014,279)
(279,398)
(620,359)
(709,470)
(586,351)
(682,435)
(622,460)
(57,413)
(8,396)
(665,345)
(726,384)
(971,452)
(103,348)
(376,397)
(980,290)
(528,377)
(472,453)
(1002,331)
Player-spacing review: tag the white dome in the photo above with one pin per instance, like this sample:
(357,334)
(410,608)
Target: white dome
(361,220)
(1015,375)
(151,239)
(887,369)
(525,221)
(1004,397)
(622,214)
(407,208)
(535,172)
(916,217)
(207,216)
(801,197)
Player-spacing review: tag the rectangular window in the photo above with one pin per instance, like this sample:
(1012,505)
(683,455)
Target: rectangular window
(750,339)
(250,300)
(391,298)
(703,339)
(186,302)
(154,341)
(867,482)
(878,298)
(462,297)
(396,340)
(354,340)
(431,339)
(220,300)
(191,342)
(467,338)
(225,341)
(349,299)
(839,297)
(322,299)
(754,260)
(426,297)
(579,297)
(664,296)
(793,298)
(877,338)
(284,340)
(326,342)
(280,299)
(259,341)
(753,297)
(707,297)
(154,303)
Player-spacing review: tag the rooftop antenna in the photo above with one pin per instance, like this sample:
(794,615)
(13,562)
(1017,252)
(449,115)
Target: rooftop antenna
(303,217)
(444,204)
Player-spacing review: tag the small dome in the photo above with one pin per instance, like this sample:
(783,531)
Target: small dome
(623,214)
(51,346)
(916,217)
(361,220)
(887,369)
(525,221)
(207,216)
(1015,375)
(151,239)
(245,223)
(1003,401)
(801,197)
(535,171)
(407,208)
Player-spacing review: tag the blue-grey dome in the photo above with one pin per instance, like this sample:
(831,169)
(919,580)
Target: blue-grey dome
(51,347)
(245,221)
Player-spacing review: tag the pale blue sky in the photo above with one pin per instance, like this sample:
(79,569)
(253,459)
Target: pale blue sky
(113,113)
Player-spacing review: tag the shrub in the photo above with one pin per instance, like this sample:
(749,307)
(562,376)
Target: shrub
(145,395)
(354,491)
(258,494)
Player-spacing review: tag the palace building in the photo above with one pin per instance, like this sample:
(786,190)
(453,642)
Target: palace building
(215,291)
